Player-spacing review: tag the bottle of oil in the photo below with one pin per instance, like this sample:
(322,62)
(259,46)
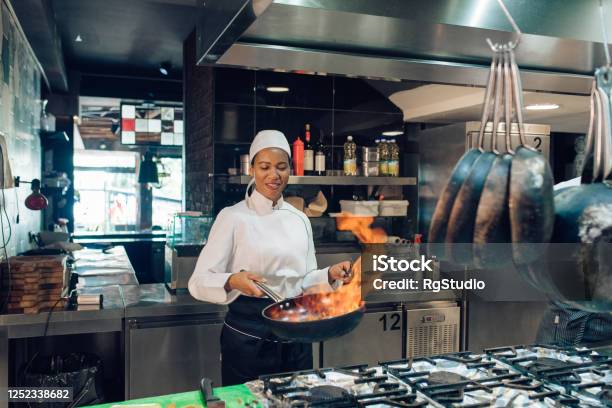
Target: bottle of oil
(393,164)
(383,157)
(350,157)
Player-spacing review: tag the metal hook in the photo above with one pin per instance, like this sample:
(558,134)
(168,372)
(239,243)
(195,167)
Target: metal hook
(512,44)
(499,87)
(518,100)
(508,103)
(486,108)
(512,23)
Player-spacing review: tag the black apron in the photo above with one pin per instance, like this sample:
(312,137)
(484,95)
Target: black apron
(249,349)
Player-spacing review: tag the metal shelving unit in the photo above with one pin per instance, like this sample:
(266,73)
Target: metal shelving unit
(338,180)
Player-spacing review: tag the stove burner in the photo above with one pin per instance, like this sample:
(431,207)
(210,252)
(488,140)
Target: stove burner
(326,393)
(445,378)
(445,386)
(543,363)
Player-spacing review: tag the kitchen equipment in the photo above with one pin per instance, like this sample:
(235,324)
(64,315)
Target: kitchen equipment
(207,393)
(370,154)
(532,211)
(359,208)
(353,386)
(584,216)
(187,236)
(245,164)
(319,204)
(297,319)
(154,342)
(370,168)
(492,226)
(491,380)
(362,345)
(432,331)
(460,228)
(435,169)
(441,215)
(520,376)
(582,372)
(393,208)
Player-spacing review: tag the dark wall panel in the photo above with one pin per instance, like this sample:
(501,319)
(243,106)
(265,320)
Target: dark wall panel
(198,148)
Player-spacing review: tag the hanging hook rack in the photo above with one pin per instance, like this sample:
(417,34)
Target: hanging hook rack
(512,44)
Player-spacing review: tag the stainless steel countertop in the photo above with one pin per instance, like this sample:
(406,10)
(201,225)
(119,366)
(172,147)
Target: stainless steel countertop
(111,274)
(152,300)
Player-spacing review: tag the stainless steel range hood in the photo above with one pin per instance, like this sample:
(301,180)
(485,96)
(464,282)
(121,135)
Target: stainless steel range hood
(440,41)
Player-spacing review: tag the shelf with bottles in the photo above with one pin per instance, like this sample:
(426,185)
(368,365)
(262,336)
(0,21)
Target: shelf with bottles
(337,180)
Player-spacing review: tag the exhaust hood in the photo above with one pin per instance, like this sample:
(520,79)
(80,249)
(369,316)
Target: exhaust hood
(440,41)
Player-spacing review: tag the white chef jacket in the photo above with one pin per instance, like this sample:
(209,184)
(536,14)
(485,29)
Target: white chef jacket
(274,241)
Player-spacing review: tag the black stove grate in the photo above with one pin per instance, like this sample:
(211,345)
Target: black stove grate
(449,389)
(554,371)
(393,394)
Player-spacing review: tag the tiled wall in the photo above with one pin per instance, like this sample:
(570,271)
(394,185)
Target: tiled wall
(19,124)
(198,100)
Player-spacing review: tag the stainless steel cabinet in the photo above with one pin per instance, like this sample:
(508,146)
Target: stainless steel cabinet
(377,338)
(171,355)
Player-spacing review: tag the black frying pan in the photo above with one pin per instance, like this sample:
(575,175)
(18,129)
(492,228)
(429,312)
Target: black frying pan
(439,221)
(492,229)
(294,319)
(461,223)
(531,201)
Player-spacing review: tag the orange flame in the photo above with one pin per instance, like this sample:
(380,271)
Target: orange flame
(318,304)
(360,227)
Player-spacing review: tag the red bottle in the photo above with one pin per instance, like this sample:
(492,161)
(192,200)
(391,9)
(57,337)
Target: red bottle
(298,157)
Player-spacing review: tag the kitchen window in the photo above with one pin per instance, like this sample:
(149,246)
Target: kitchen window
(107,191)
(167,195)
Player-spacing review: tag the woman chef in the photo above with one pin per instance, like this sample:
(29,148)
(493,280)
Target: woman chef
(262,238)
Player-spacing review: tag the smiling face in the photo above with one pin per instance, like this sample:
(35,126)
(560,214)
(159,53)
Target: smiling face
(271,171)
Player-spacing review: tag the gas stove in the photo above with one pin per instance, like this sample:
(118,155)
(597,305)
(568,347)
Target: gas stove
(354,386)
(518,376)
(476,380)
(575,371)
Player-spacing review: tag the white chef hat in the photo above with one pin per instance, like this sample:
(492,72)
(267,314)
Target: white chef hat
(266,139)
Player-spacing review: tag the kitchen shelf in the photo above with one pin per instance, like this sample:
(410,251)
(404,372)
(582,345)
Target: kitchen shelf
(337,180)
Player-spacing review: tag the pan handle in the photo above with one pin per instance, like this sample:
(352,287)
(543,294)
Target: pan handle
(269,291)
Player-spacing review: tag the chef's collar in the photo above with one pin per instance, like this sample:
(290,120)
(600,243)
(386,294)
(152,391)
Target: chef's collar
(261,204)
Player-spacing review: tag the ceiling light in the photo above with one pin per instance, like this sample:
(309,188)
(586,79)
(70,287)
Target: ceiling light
(78,38)
(392,133)
(542,106)
(277,89)
(165,67)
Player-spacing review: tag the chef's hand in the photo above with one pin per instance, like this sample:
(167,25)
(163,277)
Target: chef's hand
(340,271)
(243,282)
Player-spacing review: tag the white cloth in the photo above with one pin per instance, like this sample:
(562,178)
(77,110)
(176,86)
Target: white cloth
(266,139)
(569,183)
(255,236)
